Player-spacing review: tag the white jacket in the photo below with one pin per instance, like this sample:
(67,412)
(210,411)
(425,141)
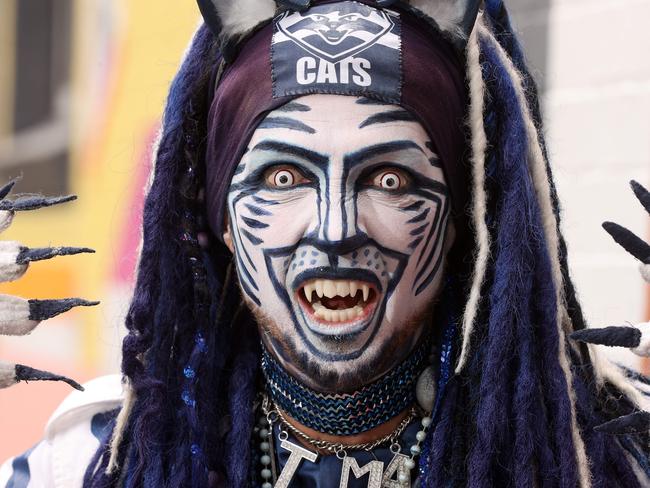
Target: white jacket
(71,438)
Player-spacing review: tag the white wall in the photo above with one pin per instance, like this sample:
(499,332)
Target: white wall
(595,70)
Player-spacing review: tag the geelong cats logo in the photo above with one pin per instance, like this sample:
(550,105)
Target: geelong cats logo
(337,44)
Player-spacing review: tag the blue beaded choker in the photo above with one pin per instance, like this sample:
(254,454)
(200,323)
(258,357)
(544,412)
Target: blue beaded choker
(346,413)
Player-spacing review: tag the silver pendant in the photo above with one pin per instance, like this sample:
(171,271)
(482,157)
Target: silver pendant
(397,475)
(297,455)
(375,468)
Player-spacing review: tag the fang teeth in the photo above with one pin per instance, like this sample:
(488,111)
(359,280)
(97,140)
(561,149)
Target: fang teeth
(309,289)
(333,288)
(354,286)
(328,315)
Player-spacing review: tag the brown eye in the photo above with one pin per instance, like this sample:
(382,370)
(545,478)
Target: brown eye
(390,180)
(284,177)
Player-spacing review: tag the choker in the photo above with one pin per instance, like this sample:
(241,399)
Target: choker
(346,413)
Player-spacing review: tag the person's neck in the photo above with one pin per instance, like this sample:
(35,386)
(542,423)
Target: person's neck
(366,437)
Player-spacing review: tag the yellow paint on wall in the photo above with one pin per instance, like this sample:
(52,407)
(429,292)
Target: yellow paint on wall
(147,41)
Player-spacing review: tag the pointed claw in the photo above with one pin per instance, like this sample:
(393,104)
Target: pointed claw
(630,242)
(5,190)
(33,202)
(46,309)
(25,373)
(642,194)
(635,423)
(27,255)
(610,336)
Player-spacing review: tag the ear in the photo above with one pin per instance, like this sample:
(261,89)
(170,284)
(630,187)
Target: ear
(227,235)
(456,18)
(230,19)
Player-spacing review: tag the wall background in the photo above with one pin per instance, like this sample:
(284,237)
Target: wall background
(102,110)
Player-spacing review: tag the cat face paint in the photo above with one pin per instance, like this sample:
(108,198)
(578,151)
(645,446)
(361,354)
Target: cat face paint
(338,215)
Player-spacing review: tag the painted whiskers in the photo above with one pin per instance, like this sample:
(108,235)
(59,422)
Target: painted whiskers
(20,316)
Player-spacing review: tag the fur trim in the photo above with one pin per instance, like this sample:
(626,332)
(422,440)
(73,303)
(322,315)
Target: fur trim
(240,16)
(455,17)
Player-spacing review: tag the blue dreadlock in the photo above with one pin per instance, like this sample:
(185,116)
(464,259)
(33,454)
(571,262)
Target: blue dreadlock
(504,420)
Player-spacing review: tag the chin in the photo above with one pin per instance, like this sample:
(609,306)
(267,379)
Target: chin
(389,348)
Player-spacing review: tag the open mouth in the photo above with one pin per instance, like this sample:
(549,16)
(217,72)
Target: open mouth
(337,302)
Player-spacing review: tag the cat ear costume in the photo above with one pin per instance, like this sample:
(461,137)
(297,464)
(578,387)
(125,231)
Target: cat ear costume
(505,388)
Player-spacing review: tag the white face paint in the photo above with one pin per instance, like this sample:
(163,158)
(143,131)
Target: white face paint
(338,215)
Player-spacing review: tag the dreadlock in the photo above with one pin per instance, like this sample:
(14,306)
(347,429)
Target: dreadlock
(521,405)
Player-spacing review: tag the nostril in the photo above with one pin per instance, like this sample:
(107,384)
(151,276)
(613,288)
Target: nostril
(343,246)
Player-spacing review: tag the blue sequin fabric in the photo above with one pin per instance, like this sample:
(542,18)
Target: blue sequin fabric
(346,413)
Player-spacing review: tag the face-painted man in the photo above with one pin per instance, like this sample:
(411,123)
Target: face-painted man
(339,228)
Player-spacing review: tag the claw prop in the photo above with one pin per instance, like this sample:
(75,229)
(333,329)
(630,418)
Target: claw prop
(629,337)
(19,316)
(629,241)
(638,340)
(27,255)
(10,374)
(642,194)
(15,257)
(46,309)
(33,203)
(633,244)
(635,423)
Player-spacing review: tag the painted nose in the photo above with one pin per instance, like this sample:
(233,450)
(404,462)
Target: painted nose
(341,247)
(338,217)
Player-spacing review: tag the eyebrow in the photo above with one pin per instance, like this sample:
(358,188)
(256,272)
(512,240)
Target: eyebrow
(285,123)
(385,117)
(299,151)
(383,148)
(293,107)
(370,101)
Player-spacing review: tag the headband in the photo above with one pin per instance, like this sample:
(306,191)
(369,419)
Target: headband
(388,55)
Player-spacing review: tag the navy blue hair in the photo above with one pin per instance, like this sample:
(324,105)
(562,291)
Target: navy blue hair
(192,352)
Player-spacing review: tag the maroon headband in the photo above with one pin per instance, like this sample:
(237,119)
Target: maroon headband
(431,86)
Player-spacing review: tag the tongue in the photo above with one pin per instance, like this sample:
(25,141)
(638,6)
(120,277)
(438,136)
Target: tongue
(339,303)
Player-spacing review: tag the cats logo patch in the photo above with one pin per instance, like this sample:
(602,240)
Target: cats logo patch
(343,48)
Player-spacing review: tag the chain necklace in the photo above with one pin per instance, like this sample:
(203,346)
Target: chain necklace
(337,448)
(397,474)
